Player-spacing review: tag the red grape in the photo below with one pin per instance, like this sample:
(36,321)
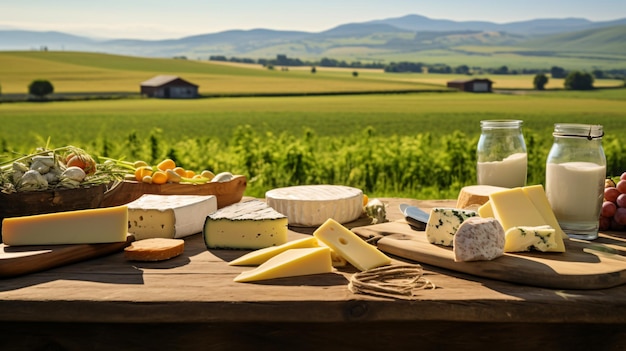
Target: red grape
(620,216)
(623,176)
(611,194)
(608,209)
(621,200)
(621,186)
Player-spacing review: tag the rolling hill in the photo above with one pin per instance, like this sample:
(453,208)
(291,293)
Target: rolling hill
(571,42)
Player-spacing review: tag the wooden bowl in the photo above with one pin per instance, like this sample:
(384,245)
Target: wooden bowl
(227,193)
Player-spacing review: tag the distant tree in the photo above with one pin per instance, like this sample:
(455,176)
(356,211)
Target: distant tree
(313,69)
(557,72)
(355,74)
(598,74)
(502,70)
(462,69)
(577,80)
(540,81)
(40,88)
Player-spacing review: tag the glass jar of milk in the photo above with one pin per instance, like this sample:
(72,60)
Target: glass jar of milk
(501,154)
(575,173)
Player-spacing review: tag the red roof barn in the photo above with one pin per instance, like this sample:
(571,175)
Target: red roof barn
(472,85)
(169,87)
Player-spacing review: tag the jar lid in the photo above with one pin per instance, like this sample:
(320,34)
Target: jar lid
(572,130)
(500,123)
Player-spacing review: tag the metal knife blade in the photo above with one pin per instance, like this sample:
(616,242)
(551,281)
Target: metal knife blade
(414,215)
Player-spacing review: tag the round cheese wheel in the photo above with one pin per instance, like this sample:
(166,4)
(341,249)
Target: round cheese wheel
(473,196)
(312,205)
(154,249)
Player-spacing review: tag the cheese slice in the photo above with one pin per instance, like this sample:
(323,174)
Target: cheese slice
(245,225)
(525,238)
(291,263)
(347,244)
(486,211)
(514,208)
(312,205)
(93,226)
(443,224)
(169,216)
(537,195)
(258,257)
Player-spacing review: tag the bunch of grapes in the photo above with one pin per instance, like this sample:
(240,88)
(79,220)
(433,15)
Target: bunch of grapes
(613,214)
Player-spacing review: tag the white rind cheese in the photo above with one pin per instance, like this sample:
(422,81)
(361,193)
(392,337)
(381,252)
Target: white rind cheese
(312,205)
(245,225)
(93,226)
(478,239)
(541,238)
(169,216)
(443,224)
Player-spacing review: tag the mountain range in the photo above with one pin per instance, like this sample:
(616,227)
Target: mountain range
(383,40)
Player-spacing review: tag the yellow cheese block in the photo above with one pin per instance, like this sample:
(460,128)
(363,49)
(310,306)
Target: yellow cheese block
(514,208)
(291,263)
(486,211)
(347,244)
(101,225)
(538,197)
(258,257)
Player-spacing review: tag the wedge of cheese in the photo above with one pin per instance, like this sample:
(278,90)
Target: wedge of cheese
(514,208)
(93,226)
(474,196)
(537,195)
(291,263)
(479,239)
(347,244)
(169,216)
(245,225)
(443,224)
(541,238)
(486,211)
(258,257)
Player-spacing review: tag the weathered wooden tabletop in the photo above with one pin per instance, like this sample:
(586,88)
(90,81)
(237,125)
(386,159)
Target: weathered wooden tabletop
(191,302)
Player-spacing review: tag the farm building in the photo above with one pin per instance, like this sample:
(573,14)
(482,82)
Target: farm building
(472,85)
(169,87)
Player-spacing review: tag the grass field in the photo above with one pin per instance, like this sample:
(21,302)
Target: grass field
(411,144)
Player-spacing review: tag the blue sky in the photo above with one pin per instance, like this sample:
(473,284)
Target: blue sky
(163,19)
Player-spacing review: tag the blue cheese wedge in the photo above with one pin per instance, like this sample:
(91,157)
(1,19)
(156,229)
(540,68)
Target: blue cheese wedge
(245,225)
(443,224)
(524,238)
(169,216)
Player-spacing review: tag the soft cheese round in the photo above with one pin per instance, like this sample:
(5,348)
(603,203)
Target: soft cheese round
(478,239)
(312,205)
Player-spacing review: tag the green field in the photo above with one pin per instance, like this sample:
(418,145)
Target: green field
(412,144)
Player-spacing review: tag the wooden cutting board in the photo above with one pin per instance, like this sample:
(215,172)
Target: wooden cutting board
(584,265)
(20,260)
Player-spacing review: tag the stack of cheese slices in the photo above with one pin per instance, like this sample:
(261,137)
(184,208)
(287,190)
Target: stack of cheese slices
(498,220)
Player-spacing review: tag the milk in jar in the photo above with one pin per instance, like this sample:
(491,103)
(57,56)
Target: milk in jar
(575,173)
(501,154)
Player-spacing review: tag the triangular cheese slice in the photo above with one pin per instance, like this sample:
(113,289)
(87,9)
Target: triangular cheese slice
(537,196)
(291,263)
(258,257)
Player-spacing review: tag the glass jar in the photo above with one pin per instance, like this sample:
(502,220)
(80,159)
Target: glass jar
(575,173)
(501,154)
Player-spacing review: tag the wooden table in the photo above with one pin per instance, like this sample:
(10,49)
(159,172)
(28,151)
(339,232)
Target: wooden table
(191,302)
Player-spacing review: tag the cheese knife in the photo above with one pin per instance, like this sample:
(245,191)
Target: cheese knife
(416,217)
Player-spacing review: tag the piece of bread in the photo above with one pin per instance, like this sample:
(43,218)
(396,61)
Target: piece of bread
(154,249)
(478,239)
